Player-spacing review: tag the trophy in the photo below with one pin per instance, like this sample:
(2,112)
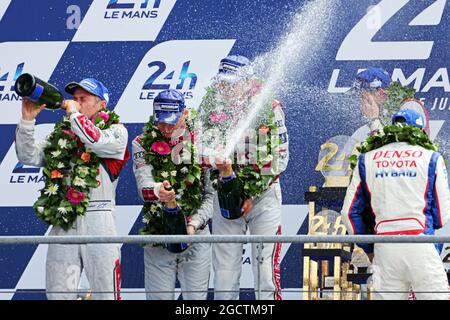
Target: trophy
(39,91)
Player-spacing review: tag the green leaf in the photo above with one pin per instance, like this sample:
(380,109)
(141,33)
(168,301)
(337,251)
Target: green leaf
(396,133)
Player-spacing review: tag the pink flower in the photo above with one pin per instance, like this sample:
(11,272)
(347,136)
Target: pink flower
(74,196)
(104,116)
(161,147)
(69,133)
(255,87)
(218,117)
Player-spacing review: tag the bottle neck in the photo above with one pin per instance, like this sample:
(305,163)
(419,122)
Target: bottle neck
(228,178)
(172,207)
(171,204)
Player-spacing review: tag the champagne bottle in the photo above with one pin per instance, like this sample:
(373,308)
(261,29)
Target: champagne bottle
(174,222)
(39,91)
(229,192)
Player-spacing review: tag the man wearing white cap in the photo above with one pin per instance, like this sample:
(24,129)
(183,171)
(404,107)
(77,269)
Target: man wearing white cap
(223,110)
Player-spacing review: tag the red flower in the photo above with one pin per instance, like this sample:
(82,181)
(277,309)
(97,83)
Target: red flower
(161,147)
(268,165)
(55,174)
(267,168)
(69,133)
(86,157)
(74,196)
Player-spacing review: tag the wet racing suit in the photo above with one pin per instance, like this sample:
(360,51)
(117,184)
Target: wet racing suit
(407,189)
(101,262)
(263,219)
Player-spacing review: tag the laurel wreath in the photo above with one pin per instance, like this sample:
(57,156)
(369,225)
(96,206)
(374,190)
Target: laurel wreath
(185,179)
(254,178)
(396,93)
(70,172)
(398,132)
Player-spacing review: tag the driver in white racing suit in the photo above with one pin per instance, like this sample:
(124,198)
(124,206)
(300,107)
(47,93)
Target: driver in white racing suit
(407,188)
(65,262)
(162,267)
(263,214)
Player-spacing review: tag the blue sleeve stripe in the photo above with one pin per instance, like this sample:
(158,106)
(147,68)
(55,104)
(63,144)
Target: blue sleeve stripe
(356,207)
(362,171)
(365,198)
(432,209)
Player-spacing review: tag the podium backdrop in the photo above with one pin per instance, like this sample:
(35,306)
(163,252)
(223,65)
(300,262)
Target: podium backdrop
(138,47)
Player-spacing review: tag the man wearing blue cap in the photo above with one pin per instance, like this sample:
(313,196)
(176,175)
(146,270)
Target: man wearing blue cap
(169,185)
(371,84)
(81,189)
(234,87)
(406,186)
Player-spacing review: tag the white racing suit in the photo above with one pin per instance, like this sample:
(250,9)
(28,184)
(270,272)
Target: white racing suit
(101,262)
(407,189)
(263,219)
(162,267)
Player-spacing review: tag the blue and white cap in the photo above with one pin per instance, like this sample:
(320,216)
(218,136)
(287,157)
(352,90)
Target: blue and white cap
(372,79)
(168,106)
(410,117)
(234,67)
(90,85)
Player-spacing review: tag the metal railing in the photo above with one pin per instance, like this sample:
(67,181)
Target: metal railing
(221,239)
(147,239)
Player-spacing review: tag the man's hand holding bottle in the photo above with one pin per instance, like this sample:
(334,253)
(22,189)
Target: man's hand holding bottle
(224,165)
(30,110)
(71,106)
(166,193)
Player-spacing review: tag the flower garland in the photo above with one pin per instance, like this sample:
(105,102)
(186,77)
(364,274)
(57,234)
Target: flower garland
(185,178)
(223,113)
(70,172)
(397,132)
(396,93)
